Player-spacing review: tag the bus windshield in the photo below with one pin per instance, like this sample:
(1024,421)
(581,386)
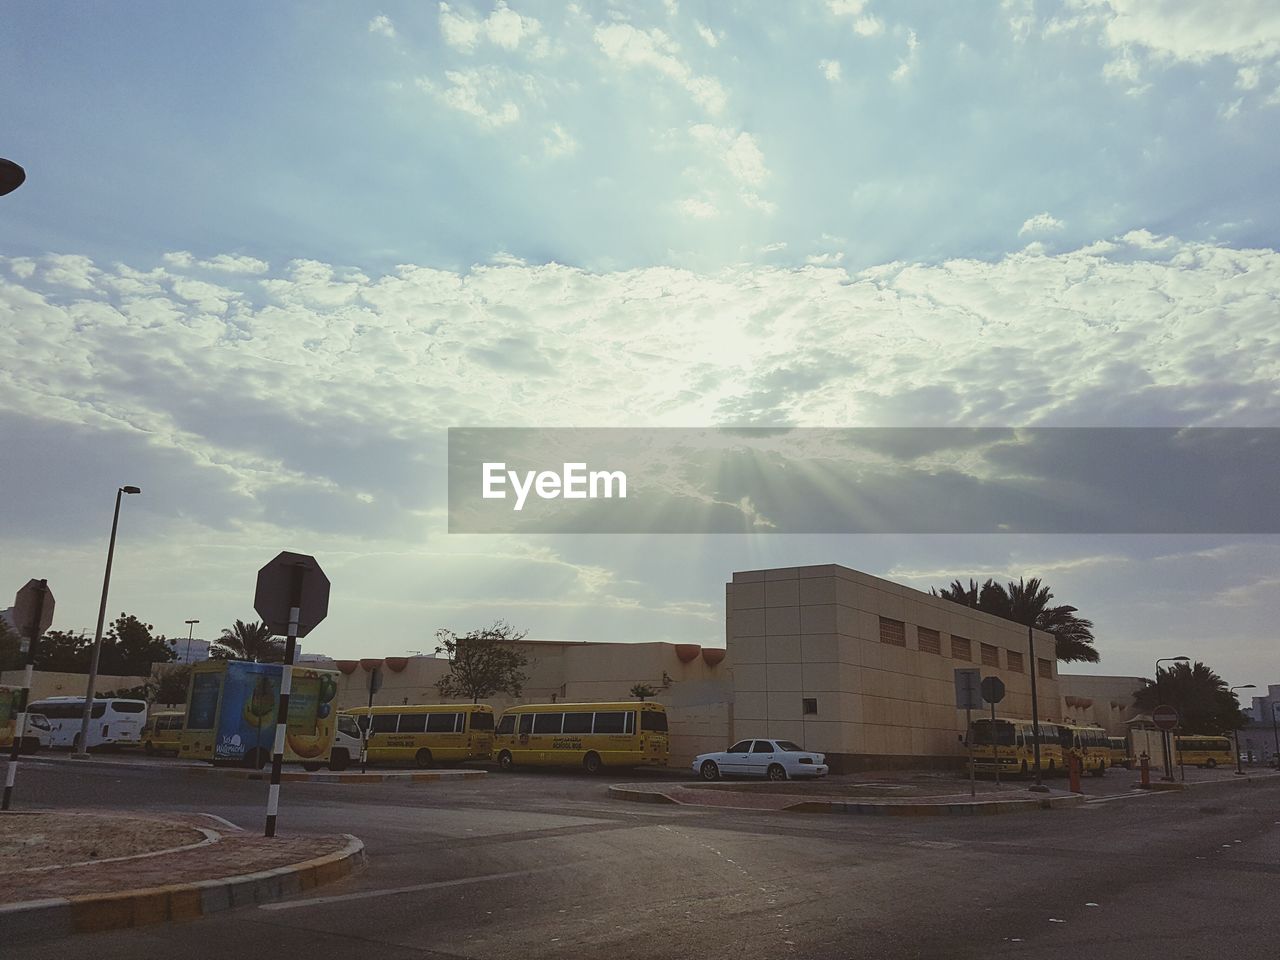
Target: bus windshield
(983,734)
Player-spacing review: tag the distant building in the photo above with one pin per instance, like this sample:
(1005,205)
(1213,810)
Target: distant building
(1101,700)
(7,616)
(189,651)
(1260,739)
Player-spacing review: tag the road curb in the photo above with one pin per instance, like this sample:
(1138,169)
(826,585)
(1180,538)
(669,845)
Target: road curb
(634,794)
(92,913)
(289,776)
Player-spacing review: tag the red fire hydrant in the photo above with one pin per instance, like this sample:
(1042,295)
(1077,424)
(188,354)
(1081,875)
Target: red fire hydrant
(1144,764)
(1073,766)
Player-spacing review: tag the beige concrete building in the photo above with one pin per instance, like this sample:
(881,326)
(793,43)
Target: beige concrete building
(1105,701)
(692,681)
(45,684)
(863,669)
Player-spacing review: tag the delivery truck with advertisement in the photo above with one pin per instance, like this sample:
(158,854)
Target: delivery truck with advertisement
(232,707)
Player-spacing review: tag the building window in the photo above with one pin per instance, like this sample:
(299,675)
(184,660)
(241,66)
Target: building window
(1045,668)
(810,705)
(893,631)
(930,640)
(961,649)
(990,655)
(1015,661)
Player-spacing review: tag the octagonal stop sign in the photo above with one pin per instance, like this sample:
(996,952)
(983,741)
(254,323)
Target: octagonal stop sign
(292,580)
(33,609)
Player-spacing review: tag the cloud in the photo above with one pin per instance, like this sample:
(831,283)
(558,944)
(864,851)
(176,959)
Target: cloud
(909,60)
(222,263)
(483,93)
(830,69)
(707,34)
(864,24)
(632,48)
(1040,223)
(697,209)
(504,28)
(559,143)
(382,25)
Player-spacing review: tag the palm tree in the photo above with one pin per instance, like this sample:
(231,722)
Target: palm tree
(1204,702)
(248,641)
(1028,602)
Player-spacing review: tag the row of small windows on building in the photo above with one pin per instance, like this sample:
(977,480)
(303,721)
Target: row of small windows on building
(894,632)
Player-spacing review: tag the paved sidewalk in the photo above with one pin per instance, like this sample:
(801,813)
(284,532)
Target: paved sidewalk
(231,867)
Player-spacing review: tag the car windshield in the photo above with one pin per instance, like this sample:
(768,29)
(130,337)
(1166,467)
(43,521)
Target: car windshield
(788,747)
(348,726)
(39,722)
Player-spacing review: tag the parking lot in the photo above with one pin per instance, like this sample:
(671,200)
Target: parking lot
(544,863)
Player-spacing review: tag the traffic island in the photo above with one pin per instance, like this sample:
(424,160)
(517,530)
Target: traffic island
(63,873)
(793,797)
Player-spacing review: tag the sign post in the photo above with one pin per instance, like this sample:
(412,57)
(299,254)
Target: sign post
(375,684)
(32,615)
(969,698)
(292,596)
(993,693)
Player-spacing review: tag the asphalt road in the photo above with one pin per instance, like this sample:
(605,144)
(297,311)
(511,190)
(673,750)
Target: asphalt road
(543,864)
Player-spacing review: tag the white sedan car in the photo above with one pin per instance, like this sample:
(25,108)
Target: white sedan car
(775,759)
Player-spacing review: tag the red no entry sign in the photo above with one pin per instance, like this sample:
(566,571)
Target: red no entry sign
(1165,717)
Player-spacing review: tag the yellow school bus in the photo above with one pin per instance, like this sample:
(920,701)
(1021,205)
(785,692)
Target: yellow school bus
(1089,744)
(1203,751)
(1009,745)
(425,734)
(589,735)
(162,733)
(1118,747)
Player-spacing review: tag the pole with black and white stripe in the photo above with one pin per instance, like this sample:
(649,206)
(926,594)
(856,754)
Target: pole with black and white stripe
(20,725)
(286,682)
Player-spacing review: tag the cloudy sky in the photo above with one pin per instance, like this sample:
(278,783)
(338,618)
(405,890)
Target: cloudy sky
(267,254)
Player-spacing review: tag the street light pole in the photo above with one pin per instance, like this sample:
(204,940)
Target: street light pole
(191,625)
(1038,786)
(1240,769)
(1164,734)
(81,751)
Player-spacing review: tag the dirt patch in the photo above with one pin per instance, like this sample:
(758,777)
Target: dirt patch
(43,840)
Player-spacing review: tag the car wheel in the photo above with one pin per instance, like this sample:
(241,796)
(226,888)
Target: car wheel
(709,771)
(505,761)
(1211,763)
(776,772)
(591,763)
(149,749)
(339,760)
(422,758)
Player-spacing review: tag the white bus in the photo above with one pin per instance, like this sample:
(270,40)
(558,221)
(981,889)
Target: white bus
(111,722)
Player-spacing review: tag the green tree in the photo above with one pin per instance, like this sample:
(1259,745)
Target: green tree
(482,662)
(10,648)
(642,691)
(1204,701)
(62,651)
(1028,602)
(248,641)
(172,683)
(130,648)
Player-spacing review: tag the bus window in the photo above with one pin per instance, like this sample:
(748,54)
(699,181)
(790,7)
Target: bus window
(507,724)
(385,722)
(526,723)
(610,722)
(441,722)
(653,720)
(547,722)
(482,721)
(413,723)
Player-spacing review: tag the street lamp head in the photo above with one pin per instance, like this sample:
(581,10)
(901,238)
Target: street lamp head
(1180,659)
(11,176)
(131,489)
(190,621)
(1246,686)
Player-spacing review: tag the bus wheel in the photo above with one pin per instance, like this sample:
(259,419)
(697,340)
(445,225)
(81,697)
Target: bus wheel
(149,748)
(339,759)
(312,767)
(422,758)
(710,772)
(591,763)
(776,772)
(1211,763)
(505,762)
(1100,770)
